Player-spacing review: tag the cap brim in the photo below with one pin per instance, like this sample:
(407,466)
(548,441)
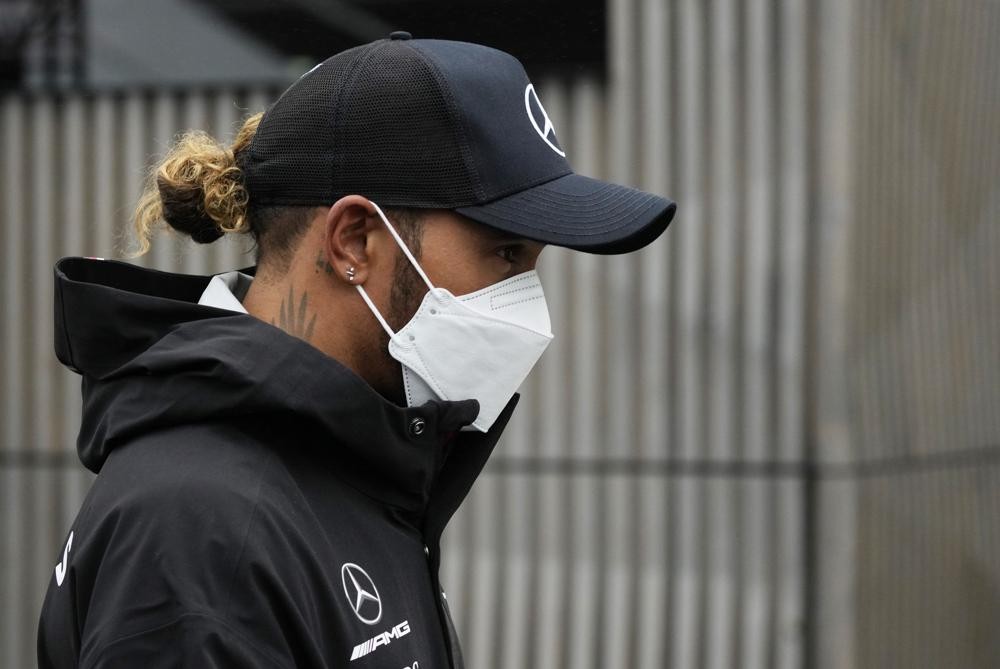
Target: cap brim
(580,213)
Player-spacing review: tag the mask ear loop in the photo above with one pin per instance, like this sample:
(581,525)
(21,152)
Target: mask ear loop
(374,310)
(403,248)
(409,256)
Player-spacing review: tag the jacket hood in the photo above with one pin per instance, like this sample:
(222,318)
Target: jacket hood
(151,357)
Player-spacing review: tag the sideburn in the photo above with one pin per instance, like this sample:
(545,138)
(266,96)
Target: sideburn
(408,288)
(407,293)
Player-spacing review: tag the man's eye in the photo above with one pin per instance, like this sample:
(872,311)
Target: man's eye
(509,253)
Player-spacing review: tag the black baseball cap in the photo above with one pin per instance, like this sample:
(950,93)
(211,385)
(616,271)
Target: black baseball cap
(432,123)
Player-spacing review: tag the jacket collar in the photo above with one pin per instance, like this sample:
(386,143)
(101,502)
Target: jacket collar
(152,357)
(227,291)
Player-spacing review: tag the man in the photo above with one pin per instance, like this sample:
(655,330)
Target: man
(279,449)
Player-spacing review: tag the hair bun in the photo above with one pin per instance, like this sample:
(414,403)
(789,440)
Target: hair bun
(184,209)
(198,189)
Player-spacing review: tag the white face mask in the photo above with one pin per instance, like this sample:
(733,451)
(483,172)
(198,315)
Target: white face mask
(479,346)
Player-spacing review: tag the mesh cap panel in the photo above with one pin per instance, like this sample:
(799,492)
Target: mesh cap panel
(290,160)
(371,120)
(400,140)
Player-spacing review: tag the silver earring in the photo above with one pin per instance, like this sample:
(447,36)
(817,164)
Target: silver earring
(350,274)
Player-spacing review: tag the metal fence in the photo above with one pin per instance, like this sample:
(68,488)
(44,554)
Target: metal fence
(923,339)
(768,440)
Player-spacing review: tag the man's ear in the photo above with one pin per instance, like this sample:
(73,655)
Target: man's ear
(346,239)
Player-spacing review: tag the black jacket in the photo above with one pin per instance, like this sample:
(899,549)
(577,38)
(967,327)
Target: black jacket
(257,504)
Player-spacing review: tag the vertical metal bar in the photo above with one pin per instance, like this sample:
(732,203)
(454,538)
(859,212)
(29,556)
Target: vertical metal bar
(42,166)
(582,633)
(14,251)
(830,510)
(721,521)
(15,351)
(105,142)
(756,434)
(656,130)
(618,496)
(134,164)
(789,616)
(656,408)
(688,602)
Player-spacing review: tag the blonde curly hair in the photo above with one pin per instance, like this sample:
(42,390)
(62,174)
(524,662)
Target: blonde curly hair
(197,189)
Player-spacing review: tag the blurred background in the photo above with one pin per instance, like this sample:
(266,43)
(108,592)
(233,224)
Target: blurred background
(771,439)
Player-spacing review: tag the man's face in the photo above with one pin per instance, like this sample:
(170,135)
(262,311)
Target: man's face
(457,254)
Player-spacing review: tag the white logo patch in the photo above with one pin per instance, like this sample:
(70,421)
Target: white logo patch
(361,593)
(545,130)
(383,639)
(64,565)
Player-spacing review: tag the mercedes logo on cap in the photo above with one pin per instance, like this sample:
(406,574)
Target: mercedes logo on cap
(544,129)
(361,593)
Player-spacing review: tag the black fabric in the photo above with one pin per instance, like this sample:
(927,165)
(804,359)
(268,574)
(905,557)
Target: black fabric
(239,470)
(370,120)
(400,138)
(430,123)
(292,157)
(580,212)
